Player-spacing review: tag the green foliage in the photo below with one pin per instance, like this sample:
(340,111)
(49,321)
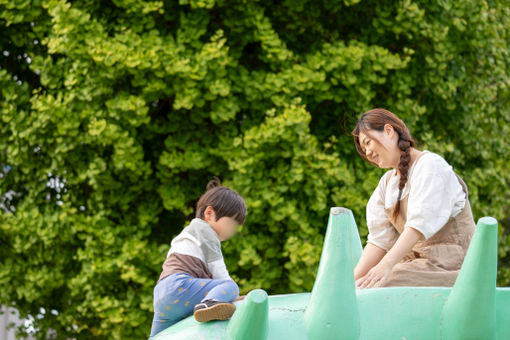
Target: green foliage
(114,114)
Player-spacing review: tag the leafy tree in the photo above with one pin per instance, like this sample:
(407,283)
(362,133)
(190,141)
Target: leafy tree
(114,114)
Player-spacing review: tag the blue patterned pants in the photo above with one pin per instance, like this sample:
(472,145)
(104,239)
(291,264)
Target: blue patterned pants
(176,295)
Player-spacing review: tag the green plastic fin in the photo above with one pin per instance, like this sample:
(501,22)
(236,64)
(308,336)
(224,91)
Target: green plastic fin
(332,312)
(250,321)
(356,248)
(470,311)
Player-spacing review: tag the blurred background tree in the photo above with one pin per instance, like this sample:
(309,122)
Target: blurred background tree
(114,114)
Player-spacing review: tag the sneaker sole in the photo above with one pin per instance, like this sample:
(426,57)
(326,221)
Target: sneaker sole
(221,311)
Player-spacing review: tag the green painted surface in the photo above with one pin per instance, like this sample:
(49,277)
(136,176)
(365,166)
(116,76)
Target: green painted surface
(250,321)
(334,284)
(470,312)
(472,309)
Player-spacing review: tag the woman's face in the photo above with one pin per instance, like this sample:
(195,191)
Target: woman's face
(381,147)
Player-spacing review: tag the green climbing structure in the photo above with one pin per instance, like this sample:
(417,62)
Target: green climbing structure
(473,309)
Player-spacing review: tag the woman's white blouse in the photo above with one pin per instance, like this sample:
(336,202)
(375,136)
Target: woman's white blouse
(435,195)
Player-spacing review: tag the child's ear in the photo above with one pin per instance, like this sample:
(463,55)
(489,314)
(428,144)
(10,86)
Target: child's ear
(210,214)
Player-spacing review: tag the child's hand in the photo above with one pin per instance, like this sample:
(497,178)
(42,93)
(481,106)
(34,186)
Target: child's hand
(240,298)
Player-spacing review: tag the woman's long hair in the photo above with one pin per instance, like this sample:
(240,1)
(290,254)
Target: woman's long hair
(375,119)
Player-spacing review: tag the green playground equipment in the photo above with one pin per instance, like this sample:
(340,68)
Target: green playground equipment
(472,309)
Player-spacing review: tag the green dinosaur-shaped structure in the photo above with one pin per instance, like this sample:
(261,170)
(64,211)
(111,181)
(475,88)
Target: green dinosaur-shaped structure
(472,309)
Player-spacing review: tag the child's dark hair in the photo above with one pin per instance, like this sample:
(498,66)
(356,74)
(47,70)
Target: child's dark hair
(225,202)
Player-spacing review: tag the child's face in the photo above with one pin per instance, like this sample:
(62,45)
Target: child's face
(225,227)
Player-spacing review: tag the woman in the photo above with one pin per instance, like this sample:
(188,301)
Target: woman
(419,218)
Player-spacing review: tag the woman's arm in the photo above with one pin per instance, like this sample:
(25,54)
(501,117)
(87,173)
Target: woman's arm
(380,272)
(370,256)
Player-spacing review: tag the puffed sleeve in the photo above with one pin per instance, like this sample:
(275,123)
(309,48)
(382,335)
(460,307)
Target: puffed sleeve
(430,201)
(381,231)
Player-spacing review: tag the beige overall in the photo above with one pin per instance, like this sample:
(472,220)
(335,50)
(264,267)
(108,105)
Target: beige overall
(436,261)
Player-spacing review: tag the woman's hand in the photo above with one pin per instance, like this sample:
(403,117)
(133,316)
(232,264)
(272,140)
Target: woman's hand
(375,276)
(370,256)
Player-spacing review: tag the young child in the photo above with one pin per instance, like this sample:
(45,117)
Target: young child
(195,279)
